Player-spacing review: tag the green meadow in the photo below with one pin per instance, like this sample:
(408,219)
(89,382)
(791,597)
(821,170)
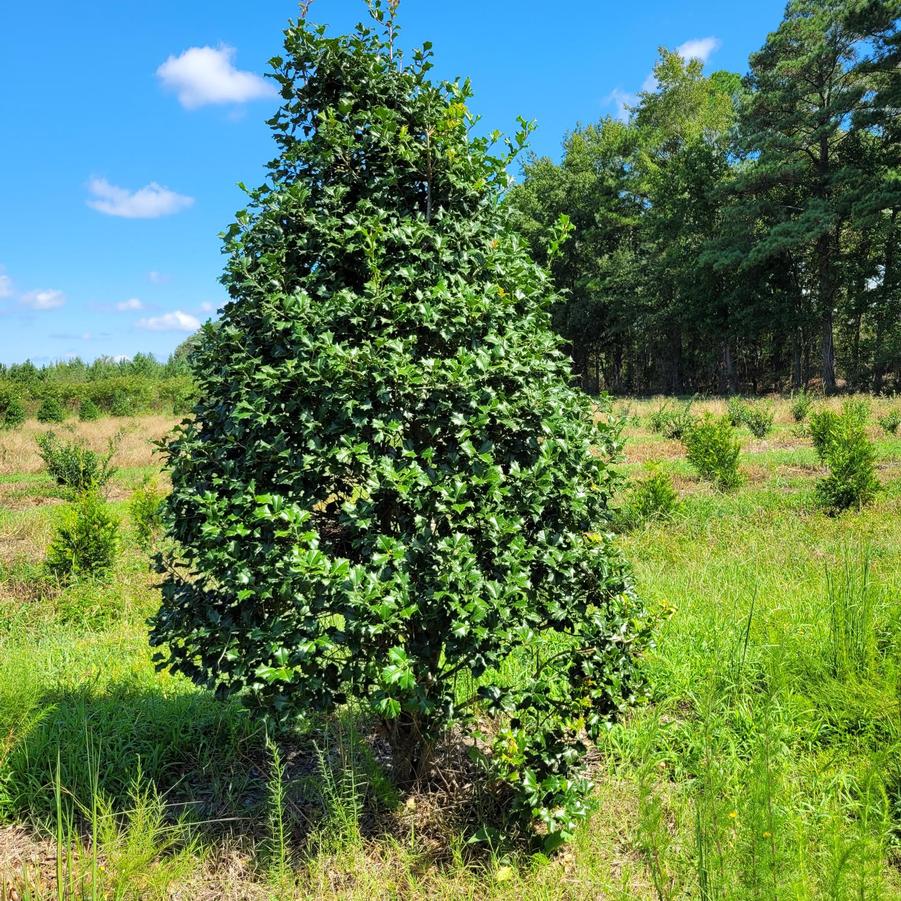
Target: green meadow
(767,762)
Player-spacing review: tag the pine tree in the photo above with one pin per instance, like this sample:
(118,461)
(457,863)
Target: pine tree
(803,87)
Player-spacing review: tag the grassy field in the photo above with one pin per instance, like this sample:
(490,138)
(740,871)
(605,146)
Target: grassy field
(767,766)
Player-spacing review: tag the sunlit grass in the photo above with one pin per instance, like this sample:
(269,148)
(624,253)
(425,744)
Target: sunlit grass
(766,766)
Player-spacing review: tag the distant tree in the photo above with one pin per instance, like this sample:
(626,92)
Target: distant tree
(803,88)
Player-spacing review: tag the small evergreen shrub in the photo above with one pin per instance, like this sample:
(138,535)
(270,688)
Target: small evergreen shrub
(670,422)
(86,542)
(146,509)
(758,417)
(851,459)
(73,465)
(822,425)
(51,410)
(736,409)
(857,409)
(800,405)
(713,449)
(651,498)
(88,411)
(12,411)
(890,421)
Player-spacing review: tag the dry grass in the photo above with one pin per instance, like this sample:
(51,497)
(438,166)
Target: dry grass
(19,452)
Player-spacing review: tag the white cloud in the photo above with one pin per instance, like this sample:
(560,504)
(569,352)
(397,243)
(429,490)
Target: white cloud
(157,278)
(121,358)
(171,322)
(622,100)
(149,202)
(207,307)
(699,48)
(203,75)
(6,284)
(43,300)
(131,304)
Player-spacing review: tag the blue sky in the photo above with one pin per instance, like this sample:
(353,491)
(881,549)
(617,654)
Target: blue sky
(127,125)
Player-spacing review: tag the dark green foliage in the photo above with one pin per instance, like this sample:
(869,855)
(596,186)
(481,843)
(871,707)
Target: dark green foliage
(75,466)
(87,540)
(146,509)
(758,417)
(713,449)
(801,404)
(849,454)
(51,410)
(651,498)
(388,487)
(738,233)
(672,422)
(12,411)
(123,403)
(890,421)
(88,411)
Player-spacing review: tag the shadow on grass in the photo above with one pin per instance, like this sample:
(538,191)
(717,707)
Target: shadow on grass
(211,765)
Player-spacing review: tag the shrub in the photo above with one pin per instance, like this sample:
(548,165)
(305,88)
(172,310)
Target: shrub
(12,411)
(857,409)
(713,449)
(822,425)
(51,410)
(122,404)
(800,405)
(671,423)
(736,409)
(88,411)
(758,417)
(86,542)
(890,421)
(389,487)
(651,498)
(75,466)
(850,456)
(145,507)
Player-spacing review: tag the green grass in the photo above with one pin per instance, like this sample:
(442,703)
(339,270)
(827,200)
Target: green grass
(768,764)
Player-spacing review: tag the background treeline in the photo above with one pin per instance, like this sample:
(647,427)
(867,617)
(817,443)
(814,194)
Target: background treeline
(738,234)
(117,387)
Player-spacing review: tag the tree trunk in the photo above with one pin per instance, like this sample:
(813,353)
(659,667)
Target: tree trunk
(797,364)
(675,359)
(887,301)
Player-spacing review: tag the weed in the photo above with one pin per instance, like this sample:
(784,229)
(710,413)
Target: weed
(75,466)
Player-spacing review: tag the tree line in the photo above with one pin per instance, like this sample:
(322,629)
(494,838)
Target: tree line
(737,233)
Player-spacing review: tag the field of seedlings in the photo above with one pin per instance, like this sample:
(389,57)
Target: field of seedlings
(765,763)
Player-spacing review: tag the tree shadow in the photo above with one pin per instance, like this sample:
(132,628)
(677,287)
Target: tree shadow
(212,766)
